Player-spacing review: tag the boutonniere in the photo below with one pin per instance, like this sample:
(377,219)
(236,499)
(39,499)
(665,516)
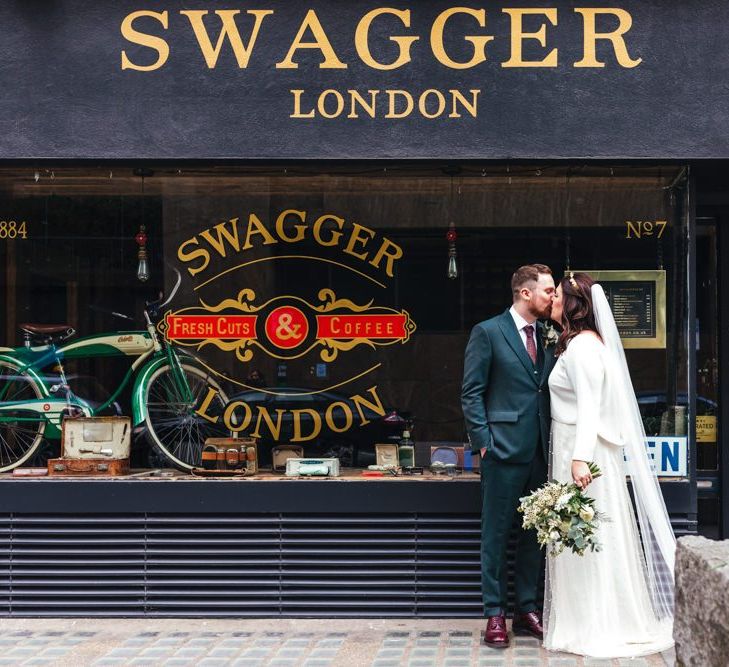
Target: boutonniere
(549,335)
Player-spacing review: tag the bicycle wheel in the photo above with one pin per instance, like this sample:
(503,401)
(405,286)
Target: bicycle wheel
(173,427)
(19,438)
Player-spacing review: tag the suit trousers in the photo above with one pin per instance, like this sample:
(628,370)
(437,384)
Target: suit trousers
(502,484)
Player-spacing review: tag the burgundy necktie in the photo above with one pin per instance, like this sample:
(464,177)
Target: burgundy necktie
(531,347)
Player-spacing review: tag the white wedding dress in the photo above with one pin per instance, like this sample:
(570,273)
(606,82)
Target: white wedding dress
(599,604)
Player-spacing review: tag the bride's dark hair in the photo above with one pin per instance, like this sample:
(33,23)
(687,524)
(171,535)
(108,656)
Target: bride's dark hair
(577,312)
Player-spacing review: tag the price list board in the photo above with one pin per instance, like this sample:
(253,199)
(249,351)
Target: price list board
(634,307)
(638,302)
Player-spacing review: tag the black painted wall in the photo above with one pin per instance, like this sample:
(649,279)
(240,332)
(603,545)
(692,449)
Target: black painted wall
(65,94)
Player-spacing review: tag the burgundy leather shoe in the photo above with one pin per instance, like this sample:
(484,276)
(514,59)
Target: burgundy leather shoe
(496,635)
(528,624)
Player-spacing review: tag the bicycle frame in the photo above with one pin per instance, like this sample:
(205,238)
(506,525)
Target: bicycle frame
(31,361)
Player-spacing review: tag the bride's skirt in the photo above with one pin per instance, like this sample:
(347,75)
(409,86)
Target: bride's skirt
(598,604)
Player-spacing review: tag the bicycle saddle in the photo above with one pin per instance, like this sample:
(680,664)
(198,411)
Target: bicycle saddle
(45,329)
(47,332)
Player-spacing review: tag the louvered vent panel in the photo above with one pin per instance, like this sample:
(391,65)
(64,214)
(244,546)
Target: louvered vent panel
(449,566)
(265,565)
(5,559)
(77,566)
(349,566)
(213,566)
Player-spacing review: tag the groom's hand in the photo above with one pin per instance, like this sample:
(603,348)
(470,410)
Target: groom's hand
(581,474)
(483,452)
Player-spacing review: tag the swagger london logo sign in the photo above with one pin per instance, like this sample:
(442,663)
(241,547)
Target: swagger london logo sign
(383,39)
(288,327)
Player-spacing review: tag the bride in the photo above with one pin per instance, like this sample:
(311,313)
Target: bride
(617,602)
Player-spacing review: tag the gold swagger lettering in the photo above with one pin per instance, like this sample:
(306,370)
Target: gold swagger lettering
(311,43)
(240,235)
(230,31)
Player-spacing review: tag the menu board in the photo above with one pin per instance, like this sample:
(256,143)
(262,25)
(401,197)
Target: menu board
(638,302)
(634,307)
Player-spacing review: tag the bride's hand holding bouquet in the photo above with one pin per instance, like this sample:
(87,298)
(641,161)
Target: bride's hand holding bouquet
(563,516)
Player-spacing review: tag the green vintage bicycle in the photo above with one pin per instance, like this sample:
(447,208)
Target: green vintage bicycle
(168,387)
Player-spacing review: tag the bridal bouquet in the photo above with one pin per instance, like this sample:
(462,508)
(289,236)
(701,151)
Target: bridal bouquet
(563,516)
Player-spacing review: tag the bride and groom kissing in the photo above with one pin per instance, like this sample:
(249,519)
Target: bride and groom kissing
(541,406)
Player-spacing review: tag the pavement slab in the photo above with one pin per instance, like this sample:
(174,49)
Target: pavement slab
(278,642)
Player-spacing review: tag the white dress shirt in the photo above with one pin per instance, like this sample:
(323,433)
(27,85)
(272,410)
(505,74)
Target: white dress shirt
(520,324)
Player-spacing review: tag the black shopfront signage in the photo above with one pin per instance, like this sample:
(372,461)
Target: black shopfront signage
(334,79)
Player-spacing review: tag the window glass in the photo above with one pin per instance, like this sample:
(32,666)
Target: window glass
(317,306)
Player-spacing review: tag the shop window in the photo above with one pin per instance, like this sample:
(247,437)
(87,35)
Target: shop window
(317,307)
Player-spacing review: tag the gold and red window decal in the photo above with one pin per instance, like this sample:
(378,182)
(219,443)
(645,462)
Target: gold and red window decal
(287,327)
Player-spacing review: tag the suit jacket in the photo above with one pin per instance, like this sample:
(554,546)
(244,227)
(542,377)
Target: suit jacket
(505,397)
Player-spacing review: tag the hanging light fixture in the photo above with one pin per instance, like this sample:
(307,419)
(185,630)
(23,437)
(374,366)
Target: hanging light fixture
(141,237)
(451,234)
(143,260)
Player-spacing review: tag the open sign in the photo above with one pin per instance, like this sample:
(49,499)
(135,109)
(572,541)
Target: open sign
(668,455)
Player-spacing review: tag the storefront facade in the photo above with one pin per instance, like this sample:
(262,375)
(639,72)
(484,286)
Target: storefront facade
(335,194)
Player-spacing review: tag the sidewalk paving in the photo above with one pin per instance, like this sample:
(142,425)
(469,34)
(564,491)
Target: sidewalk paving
(276,643)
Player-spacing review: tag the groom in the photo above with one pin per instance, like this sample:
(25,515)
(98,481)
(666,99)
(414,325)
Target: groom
(505,401)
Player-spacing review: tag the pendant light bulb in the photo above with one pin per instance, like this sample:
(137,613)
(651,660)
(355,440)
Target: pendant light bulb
(143,264)
(451,236)
(143,269)
(452,267)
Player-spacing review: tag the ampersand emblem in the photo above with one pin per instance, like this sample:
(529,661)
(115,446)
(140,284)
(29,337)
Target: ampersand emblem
(285,330)
(286,327)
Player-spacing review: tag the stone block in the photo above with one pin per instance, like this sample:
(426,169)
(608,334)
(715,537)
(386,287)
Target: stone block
(701,626)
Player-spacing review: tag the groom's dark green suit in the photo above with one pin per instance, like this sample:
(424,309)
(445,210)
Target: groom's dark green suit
(505,403)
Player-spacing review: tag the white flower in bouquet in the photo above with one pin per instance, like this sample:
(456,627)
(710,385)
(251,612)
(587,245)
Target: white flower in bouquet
(587,513)
(563,500)
(563,516)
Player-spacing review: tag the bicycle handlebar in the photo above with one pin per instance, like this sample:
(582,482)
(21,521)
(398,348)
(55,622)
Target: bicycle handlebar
(107,311)
(154,306)
(174,289)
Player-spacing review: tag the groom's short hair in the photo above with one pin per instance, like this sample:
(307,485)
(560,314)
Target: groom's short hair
(529,273)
